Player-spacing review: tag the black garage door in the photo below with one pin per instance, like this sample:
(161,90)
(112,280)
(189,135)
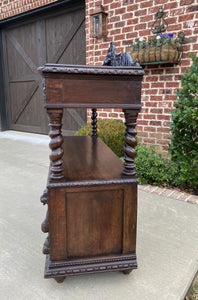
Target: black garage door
(56,38)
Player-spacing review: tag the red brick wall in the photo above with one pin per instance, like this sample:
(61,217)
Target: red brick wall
(129,20)
(9,8)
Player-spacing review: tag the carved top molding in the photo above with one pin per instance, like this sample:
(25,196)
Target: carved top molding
(100,70)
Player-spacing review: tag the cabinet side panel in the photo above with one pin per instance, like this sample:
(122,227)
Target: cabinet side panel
(57,224)
(130,219)
(94,223)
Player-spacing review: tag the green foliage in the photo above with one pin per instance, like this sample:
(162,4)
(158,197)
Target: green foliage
(152,168)
(110,131)
(184,126)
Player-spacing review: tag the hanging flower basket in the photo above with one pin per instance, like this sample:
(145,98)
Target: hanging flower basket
(161,49)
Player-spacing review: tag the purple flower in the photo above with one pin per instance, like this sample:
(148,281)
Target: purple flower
(170,35)
(162,35)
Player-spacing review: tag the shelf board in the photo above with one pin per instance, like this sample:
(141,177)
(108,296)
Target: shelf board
(88,161)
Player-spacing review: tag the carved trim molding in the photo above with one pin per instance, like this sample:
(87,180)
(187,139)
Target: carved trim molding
(91,183)
(77,69)
(98,266)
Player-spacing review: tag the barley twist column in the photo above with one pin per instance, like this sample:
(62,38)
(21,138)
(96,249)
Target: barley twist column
(56,167)
(130,142)
(94,122)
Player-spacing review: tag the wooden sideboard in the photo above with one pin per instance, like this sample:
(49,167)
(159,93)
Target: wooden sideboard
(91,195)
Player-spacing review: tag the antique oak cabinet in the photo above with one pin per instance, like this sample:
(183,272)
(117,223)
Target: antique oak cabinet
(91,195)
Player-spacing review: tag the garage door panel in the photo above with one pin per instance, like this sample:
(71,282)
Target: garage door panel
(25,40)
(51,39)
(30,114)
(73,55)
(60,32)
(16,66)
(24,103)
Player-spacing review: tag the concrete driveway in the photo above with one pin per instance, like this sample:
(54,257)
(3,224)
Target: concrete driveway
(167,240)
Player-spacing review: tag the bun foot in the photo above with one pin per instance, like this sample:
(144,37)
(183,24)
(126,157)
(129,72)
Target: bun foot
(126,272)
(60,279)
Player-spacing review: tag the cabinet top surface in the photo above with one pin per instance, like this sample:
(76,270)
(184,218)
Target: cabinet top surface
(88,161)
(135,69)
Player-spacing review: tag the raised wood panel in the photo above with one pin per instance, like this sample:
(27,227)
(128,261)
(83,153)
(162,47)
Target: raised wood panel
(94,223)
(89,91)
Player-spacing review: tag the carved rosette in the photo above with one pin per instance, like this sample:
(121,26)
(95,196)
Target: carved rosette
(56,167)
(45,224)
(130,142)
(94,122)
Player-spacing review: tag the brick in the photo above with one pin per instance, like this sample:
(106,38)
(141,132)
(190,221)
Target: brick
(169,6)
(131,35)
(165,78)
(115,5)
(149,117)
(141,13)
(151,104)
(156,2)
(195,47)
(132,21)
(142,122)
(127,16)
(120,11)
(172,70)
(174,27)
(126,29)
(186,17)
(155,123)
(146,19)
(191,39)
(113,115)
(163,117)
(151,78)
(193,8)
(186,2)
(172,84)
(119,24)
(156,110)
(114,19)
(157,85)
(133,7)
(146,4)
(102,115)
(115,31)
(162,129)
(149,129)
(158,72)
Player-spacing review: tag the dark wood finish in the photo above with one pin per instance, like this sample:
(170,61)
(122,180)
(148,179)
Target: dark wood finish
(60,279)
(94,122)
(130,140)
(55,39)
(127,272)
(56,168)
(92,201)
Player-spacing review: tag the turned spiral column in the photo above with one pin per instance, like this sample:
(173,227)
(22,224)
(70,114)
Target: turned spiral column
(56,167)
(94,122)
(130,142)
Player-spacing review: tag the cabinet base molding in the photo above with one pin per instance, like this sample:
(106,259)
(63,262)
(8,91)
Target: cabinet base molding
(64,268)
